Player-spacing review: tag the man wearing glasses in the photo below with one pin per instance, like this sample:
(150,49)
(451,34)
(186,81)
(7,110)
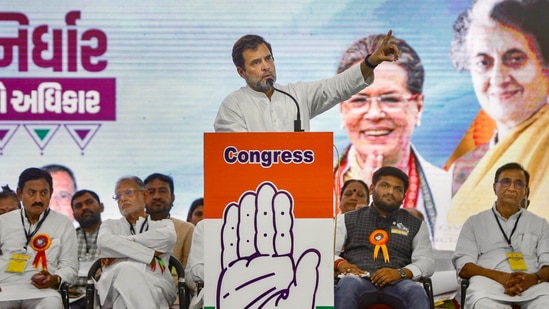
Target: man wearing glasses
(135,252)
(504,251)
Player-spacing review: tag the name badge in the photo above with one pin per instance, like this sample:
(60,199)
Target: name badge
(17,263)
(516,261)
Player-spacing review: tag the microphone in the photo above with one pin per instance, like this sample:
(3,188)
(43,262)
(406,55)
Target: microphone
(297,121)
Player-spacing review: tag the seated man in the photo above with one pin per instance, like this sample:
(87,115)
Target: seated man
(159,203)
(39,247)
(504,250)
(135,252)
(386,248)
(87,209)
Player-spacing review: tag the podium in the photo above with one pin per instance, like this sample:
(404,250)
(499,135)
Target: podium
(269,212)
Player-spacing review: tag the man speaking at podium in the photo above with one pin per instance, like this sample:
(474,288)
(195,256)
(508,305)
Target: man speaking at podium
(257,108)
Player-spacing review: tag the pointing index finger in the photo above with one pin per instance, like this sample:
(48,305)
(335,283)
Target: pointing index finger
(387,38)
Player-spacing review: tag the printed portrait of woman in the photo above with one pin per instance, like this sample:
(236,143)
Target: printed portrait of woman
(380,121)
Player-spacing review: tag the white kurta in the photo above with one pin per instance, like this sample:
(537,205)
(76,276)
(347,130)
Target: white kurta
(130,282)
(62,258)
(481,242)
(247,110)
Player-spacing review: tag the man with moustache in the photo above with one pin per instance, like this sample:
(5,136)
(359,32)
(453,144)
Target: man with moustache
(39,247)
(386,249)
(135,252)
(87,209)
(504,250)
(158,204)
(258,108)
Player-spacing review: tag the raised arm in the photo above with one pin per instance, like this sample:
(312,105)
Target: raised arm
(384,52)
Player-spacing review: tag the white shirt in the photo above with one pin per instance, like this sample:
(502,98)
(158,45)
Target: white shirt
(115,240)
(247,110)
(61,256)
(481,242)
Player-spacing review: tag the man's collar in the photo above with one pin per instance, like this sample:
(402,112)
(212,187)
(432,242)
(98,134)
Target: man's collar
(520,210)
(39,217)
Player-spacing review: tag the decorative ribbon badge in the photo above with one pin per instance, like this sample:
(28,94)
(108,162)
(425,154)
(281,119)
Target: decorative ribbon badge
(40,243)
(160,262)
(379,238)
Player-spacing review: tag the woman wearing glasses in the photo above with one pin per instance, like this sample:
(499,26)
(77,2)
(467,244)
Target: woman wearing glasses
(380,121)
(505,47)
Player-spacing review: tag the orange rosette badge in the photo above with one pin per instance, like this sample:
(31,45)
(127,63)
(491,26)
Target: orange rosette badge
(40,243)
(379,238)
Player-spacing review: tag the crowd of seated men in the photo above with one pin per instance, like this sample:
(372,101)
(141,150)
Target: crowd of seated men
(40,248)
(502,252)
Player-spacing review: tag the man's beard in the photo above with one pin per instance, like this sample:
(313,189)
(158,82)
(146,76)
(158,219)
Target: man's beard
(165,209)
(259,85)
(386,207)
(90,221)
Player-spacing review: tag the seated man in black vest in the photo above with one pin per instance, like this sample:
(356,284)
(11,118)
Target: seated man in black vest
(386,249)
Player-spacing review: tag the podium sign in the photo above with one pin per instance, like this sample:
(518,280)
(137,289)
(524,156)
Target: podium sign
(269,220)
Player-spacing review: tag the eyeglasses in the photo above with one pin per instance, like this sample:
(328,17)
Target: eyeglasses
(506,182)
(387,102)
(126,193)
(63,196)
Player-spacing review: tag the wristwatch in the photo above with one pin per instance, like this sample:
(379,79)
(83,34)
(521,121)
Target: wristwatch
(402,273)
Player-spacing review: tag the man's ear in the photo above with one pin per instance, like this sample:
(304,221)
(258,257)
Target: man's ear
(101,206)
(241,72)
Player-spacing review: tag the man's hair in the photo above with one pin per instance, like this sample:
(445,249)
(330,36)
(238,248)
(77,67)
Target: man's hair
(82,192)
(249,41)
(390,171)
(54,168)
(350,181)
(164,178)
(512,166)
(526,16)
(194,205)
(34,173)
(408,59)
(135,179)
(7,192)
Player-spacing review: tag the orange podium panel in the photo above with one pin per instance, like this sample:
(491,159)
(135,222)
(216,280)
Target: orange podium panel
(269,220)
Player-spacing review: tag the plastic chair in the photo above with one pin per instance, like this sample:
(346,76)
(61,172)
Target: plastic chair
(174,263)
(64,290)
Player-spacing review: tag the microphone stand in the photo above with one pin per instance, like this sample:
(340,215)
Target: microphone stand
(297,121)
